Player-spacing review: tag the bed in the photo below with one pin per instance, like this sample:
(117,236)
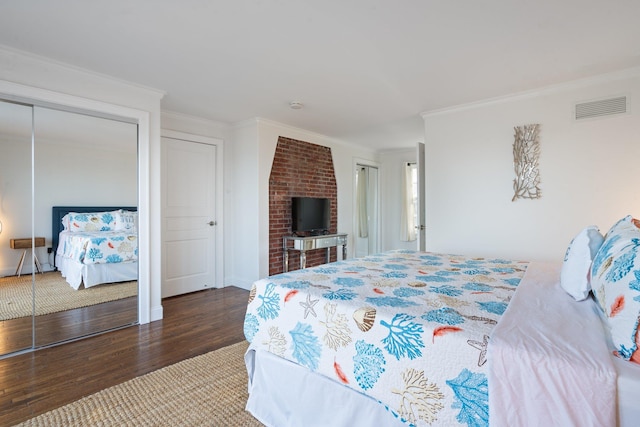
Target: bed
(407,338)
(95,244)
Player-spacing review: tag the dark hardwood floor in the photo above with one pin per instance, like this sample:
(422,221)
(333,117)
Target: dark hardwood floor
(84,321)
(17,334)
(193,324)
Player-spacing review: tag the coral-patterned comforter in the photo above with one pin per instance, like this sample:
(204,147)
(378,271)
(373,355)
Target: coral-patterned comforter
(410,329)
(99,247)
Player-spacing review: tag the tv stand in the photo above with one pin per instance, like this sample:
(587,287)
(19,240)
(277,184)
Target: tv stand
(308,243)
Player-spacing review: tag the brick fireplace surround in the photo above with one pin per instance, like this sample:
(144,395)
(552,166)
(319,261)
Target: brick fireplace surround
(300,169)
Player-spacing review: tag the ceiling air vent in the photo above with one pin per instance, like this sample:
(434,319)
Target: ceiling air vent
(602,107)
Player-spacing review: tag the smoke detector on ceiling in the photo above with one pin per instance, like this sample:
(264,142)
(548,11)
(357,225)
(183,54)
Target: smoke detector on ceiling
(295,105)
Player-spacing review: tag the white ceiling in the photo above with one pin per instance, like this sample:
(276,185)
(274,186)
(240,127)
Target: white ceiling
(364,69)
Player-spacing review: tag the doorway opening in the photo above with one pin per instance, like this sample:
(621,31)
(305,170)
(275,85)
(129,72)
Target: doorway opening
(367,210)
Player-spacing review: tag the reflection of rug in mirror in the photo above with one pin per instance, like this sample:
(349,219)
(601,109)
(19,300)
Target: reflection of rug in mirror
(54,294)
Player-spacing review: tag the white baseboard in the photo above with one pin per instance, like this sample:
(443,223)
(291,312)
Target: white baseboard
(242,284)
(156,313)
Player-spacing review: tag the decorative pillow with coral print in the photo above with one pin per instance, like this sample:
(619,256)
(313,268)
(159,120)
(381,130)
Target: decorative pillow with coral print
(94,221)
(615,281)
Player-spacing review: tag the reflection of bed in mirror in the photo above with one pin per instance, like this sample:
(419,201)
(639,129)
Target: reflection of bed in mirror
(95,244)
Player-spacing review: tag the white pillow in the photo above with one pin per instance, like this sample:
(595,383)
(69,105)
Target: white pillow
(89,221)
(127,221)
(65,222)
(574,276)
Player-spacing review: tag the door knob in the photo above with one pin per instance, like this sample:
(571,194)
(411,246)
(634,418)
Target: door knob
(212,223)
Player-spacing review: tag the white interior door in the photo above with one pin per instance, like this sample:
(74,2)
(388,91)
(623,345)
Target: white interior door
(188,210)
(421,225)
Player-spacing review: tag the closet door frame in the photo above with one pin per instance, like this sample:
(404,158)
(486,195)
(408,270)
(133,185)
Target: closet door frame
(377,226)
(46,98)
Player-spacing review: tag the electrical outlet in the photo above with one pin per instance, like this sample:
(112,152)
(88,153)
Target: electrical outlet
(49,250)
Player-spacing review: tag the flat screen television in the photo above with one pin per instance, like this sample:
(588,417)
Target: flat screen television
(310,215)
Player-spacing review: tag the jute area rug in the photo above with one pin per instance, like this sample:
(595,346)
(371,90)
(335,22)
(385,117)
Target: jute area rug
(207,390)
(54,294)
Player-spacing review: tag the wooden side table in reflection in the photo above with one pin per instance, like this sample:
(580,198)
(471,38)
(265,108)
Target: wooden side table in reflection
(25,244)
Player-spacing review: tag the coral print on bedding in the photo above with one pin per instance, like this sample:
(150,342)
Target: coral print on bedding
(99,247)
(615,280)
(98,221)
(100,237)
(410,329)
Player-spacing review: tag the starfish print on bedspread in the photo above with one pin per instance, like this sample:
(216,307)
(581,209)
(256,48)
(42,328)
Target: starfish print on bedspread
(482,346)
(308,306)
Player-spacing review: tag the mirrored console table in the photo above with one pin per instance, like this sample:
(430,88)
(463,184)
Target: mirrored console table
(308,243)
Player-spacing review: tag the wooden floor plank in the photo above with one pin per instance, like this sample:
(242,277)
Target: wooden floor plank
(193,324)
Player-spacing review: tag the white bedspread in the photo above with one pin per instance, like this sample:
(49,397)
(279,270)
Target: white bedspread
(407,328)
(552,347)
(98,247)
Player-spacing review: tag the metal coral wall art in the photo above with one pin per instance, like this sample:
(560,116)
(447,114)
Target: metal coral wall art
(526,152)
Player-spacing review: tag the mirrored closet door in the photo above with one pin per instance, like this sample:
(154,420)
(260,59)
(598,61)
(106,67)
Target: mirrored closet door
(78,216)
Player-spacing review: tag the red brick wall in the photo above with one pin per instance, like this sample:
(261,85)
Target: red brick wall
(300,169)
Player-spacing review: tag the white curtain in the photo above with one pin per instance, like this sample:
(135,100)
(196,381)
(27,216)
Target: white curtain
(362,182)
(408,215)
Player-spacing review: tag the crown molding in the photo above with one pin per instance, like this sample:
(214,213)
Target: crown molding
(547,90)
(195,119)
(157,93)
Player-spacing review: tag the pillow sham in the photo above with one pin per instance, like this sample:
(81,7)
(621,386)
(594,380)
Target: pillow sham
(90,221)
(65,222)
(126,221)
(615,281)
(575,273)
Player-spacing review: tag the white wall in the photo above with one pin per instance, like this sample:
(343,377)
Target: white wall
(391,195)
(15,197)
(254,145)
(67,176)
(241,207)
(589,171)
(24,75)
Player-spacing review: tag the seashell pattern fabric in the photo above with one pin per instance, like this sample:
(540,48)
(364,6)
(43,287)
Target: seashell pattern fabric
(408,328)
(99,247)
